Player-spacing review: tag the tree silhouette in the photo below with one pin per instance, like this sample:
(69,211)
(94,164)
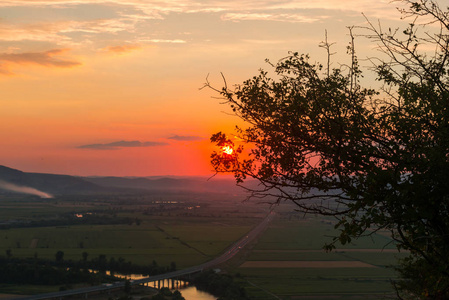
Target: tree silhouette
(373,159)
(59,256)
(127,286)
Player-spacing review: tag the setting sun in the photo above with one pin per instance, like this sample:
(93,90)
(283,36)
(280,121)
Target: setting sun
(228,150)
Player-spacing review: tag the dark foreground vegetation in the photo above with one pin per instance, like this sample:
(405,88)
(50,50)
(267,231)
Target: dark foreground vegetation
(166,294)
(71,219)
(321,137)
(222,286)
(39,272)
(67,272)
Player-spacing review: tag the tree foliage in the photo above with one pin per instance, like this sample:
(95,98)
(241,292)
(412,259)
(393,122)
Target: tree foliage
(374,159)
(220,285)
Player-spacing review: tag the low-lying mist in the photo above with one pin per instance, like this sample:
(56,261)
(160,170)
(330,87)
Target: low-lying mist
(23,189)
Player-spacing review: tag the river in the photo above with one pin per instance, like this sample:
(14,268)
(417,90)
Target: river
(192,293)
(189,292)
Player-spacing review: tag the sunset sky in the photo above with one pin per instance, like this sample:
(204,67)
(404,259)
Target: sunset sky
(91,87)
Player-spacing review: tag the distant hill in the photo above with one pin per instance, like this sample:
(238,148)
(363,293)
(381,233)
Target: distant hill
(49,183)
(73,185)
(194,184)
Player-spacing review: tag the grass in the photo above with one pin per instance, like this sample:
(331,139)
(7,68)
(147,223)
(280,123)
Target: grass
(312,233)
(317,281)
(302,240)
(385,259)
(273,255)
(167,233)
(293,287)
(206,238)
(27,289)
(185,245)
(17,207)
(189,238)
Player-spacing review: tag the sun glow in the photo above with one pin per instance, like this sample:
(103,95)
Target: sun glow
(227,150)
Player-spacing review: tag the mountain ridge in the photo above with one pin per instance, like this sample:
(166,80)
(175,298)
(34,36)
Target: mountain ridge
(75,185)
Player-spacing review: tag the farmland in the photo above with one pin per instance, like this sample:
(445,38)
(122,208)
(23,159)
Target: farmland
(163,232)
(288,262)
(187,229)
(183,229)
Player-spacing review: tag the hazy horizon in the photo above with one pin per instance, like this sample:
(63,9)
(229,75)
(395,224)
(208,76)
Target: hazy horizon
(211,176)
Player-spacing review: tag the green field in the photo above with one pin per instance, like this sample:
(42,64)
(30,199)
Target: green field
(301,240)
(185,245)
(190,233)
(173,233)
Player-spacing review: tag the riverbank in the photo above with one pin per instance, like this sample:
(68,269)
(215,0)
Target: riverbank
(137,293)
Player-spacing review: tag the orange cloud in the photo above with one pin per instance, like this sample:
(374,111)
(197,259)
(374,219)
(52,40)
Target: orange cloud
(47,59)
(186,138)
(122,49)
(294,18)
(122,144)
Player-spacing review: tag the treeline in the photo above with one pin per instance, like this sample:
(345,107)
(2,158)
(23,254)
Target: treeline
(222,286)
(40,272)
(72,220)
(166,294)
(120,265)
(59,271)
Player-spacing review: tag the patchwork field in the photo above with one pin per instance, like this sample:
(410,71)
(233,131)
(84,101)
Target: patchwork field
(288,262)
(141,244)
(181,231)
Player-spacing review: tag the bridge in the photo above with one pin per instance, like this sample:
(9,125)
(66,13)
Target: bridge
(228,254)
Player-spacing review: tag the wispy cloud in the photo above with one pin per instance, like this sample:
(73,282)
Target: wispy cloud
(279,17)
(185,138)
(158,9)
(122,144)
(46,58)
(210,6)
(175,41)
(49,58)
(121,49)
(83,23)
(100,26)
(40,32)
(73,33)
(65,32)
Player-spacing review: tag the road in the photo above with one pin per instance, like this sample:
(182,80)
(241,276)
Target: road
(228,254)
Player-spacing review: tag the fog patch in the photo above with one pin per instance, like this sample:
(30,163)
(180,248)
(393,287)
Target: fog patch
(23,189)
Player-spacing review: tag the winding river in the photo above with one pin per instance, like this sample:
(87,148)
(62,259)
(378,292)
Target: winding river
(189,292)
(192,293)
